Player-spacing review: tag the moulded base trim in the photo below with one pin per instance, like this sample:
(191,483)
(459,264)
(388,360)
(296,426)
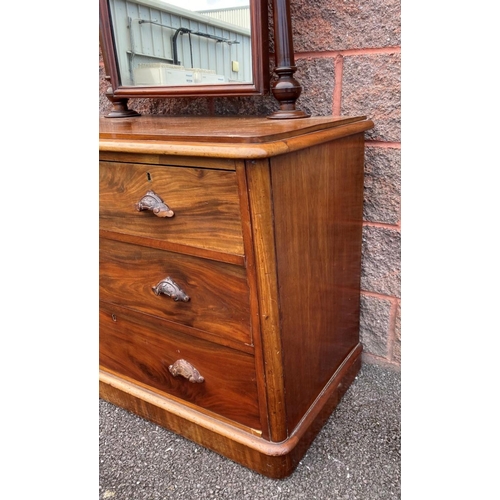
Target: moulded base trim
(275,460)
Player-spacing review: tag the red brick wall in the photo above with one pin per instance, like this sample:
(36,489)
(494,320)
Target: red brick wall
(348,55)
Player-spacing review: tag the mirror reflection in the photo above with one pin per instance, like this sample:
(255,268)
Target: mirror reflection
(182,42)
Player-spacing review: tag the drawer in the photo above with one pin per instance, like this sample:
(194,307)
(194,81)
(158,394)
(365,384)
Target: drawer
(219,297)
(205,203)
(143,349)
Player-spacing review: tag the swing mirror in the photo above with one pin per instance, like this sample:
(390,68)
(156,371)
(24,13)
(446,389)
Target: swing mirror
(178,48)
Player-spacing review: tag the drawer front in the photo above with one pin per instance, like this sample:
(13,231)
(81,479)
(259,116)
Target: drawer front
(141,348)
(205,204)
(219,297)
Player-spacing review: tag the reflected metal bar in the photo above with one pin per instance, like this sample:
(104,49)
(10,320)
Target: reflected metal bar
(189,32)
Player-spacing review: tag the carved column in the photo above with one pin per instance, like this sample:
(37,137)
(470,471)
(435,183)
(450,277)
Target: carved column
(286,89)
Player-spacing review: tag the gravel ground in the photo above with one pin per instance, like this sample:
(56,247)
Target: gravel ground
(356,456)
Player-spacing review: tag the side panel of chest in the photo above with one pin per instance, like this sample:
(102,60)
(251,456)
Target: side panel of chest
(318,213)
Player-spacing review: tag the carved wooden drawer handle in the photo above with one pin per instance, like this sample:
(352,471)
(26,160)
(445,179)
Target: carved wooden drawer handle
(171,289)
(151,201)
(186,370)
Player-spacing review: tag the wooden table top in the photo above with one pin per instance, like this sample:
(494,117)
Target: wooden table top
(237,129)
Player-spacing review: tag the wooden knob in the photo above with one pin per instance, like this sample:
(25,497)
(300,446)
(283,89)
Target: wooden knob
(151,201)
(187,370)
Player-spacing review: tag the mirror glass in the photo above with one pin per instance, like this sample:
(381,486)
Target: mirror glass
(182,42)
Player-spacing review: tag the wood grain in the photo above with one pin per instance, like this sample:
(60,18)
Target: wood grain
(318,208)
(219,294)
(266,241)
(130,344)
(276,460)
(178,161)
(254,301)
(222,139)
(205,203)
(171,246)
(234,129)
(259,188)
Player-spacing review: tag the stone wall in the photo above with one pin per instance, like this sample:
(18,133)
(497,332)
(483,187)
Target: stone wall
(348,55)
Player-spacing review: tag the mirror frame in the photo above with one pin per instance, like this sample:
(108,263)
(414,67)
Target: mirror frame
(260,64)
(285,88)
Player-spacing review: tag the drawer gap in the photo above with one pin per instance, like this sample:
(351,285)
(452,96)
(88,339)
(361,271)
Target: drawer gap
(189,330)
(204,253)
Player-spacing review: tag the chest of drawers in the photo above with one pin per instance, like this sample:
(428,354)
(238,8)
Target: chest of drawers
(230,254)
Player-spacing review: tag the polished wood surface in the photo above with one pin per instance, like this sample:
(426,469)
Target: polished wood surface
(116,155)
(205,203)
(286,89)
(318,254)
(279,308)
(260,140)
(226,129)
(132,345)
(263,238)
(219,295)
(251,267)
(245,446)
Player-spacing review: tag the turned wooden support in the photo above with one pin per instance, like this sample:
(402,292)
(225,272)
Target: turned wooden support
(120,109)
(286,89)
